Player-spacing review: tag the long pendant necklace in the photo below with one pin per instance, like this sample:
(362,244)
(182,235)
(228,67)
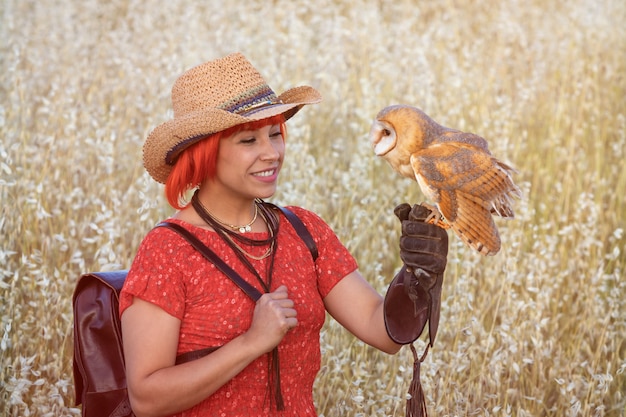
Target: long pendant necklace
(229,236)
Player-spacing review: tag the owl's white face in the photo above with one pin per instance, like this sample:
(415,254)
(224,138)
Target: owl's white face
(383,137)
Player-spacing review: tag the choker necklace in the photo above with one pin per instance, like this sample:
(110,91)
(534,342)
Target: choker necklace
(241,229)
(267,253)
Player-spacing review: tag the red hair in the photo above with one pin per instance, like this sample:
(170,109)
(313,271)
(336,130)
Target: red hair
(198,162)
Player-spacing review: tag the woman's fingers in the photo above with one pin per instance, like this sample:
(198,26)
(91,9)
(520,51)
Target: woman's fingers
(280,298)
(279,293)
(275,314)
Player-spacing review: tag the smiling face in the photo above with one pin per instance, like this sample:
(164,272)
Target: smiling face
(248,163)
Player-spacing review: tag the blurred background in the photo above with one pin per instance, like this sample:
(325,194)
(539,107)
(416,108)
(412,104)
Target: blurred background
(537,330)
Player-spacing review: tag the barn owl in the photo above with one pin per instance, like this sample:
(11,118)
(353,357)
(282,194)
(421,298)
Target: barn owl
(454,169)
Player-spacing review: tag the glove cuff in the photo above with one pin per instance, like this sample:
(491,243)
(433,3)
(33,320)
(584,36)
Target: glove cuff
(408,306)
(405,308)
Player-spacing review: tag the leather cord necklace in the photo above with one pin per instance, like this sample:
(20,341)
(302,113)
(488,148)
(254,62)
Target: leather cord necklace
(242,229)
(229,237)
(248,254)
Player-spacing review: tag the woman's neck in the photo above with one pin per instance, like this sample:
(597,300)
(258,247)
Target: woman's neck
(230,212)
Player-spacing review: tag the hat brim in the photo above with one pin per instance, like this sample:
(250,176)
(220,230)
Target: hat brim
(165,143)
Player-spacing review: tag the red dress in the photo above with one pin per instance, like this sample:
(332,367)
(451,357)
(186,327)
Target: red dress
(168,272)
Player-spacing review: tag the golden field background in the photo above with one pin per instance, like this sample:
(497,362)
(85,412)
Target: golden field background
(538,330)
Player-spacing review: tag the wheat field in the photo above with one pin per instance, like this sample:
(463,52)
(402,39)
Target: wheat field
(537,330)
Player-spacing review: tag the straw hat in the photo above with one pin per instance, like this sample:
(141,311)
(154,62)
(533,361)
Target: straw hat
(212,97)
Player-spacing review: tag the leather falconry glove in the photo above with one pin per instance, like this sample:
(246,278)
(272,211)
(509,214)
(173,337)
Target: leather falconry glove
(414,295)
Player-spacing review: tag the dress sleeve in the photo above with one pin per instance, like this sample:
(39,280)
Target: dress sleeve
(334,261)
(157,274)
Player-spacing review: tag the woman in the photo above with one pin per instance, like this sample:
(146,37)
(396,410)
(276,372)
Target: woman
(227,141)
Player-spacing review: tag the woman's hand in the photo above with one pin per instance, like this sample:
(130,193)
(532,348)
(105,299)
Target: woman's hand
(273,317)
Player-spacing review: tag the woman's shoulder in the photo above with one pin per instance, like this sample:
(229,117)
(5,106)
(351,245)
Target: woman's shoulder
(162,236)
(317,227)
(163,247)
(303,213)
(309,218)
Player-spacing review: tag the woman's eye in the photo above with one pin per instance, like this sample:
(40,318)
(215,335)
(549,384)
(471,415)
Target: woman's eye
(248,140)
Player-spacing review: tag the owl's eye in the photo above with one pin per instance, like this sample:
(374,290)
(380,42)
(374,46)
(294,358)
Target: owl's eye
(386,132)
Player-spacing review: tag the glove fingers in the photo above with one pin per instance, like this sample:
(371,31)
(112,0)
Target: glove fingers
(402,211)
(420,229)
(433,264)
(426,246)
(419,213)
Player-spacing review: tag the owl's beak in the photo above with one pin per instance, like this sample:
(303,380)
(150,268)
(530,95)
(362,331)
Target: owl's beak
(383,137)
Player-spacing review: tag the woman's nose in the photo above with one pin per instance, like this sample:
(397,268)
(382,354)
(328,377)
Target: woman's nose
(271,149)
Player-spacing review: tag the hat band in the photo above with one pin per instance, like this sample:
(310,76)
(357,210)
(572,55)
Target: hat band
(251,101)
(259,106)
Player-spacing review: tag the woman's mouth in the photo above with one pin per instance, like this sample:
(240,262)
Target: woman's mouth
(268,175)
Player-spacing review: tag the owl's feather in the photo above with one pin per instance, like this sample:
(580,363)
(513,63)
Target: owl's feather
(454,169)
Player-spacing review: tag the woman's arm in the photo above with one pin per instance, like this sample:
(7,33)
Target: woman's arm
(157,387)
(359,308)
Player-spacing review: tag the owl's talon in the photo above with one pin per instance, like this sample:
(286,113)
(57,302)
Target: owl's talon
(435,217)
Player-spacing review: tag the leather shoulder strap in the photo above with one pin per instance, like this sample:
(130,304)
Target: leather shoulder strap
(212,257)
(301,229)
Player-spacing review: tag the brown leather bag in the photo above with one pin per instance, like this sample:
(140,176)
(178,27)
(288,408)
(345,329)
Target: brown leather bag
(99,370)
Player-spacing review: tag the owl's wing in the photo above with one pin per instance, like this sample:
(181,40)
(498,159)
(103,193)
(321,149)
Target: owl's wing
(467,184)
(457,136)
(463,168)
